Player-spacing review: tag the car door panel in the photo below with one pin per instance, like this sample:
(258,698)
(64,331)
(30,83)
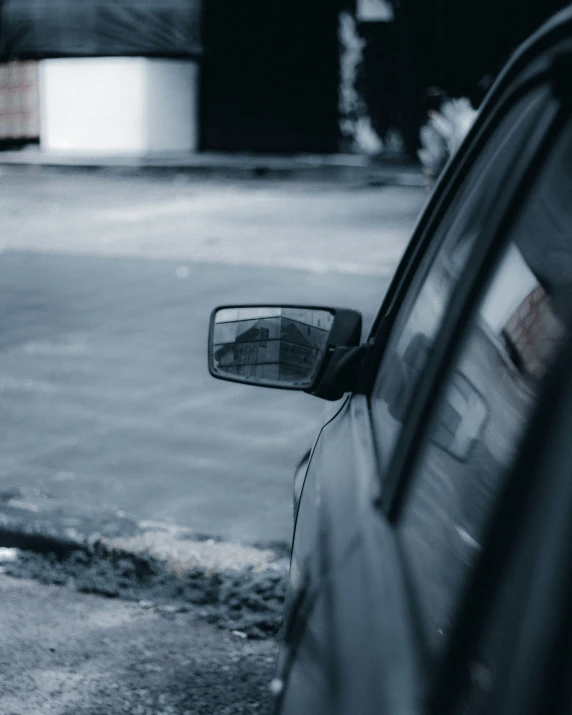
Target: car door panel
(341,475)
(344,623)
(360,634)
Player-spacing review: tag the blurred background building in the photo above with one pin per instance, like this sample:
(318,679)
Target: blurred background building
(277,76)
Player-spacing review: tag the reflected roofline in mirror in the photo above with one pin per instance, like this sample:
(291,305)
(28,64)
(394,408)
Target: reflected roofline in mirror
(241,313)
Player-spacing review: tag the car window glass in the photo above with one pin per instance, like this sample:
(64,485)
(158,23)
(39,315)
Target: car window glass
(426,304)
(478,677)
(526,588)
(488,398)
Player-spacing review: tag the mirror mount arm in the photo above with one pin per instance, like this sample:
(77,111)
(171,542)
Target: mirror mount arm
(342,372)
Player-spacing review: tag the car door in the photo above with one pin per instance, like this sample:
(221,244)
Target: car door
(351,640)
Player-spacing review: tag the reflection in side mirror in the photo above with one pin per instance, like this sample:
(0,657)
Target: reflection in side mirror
(272,346)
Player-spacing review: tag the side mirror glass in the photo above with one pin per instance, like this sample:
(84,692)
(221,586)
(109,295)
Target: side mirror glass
(272,346)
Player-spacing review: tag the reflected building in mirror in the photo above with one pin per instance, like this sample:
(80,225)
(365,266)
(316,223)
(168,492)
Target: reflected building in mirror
(280,345)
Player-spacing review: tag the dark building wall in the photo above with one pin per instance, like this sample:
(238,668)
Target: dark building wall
(477,38)
(455,46)
(270,76)
(379,79)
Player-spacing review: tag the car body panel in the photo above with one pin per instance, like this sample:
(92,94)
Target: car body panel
(339,511)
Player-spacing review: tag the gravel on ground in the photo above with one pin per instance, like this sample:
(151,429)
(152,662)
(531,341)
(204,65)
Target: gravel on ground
(70,653)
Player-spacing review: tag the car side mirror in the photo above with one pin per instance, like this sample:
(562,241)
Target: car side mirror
(286,347)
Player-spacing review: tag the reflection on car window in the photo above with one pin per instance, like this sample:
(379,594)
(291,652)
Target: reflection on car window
(422,313)
(489,396)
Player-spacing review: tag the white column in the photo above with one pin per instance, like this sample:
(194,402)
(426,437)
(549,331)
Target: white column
(118,105)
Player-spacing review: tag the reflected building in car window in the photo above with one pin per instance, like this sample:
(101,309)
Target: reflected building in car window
(524,317)
(421,316)
(488,398)
(533,332)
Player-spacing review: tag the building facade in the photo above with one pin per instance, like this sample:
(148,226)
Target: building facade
(276,76)
(19,103)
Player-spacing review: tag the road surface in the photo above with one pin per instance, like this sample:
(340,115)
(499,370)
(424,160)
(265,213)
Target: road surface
(68,653)
(106,285)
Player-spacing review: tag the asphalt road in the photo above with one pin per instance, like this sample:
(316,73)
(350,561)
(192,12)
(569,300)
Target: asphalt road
(68,653)
(106,286)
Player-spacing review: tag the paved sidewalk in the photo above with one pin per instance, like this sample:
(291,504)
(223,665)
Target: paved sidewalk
(335,167)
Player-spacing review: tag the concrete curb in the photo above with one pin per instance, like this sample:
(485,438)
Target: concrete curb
(178,548)
(239,588)
(339,167)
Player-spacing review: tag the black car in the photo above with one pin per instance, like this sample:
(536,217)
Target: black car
(432,556)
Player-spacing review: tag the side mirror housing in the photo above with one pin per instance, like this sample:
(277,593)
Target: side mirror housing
(281,346)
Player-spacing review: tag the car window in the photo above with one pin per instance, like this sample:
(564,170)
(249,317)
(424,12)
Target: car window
(425,306)
(518,627)
(488,398)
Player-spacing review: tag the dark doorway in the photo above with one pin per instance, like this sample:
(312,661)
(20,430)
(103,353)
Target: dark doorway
(270,76)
